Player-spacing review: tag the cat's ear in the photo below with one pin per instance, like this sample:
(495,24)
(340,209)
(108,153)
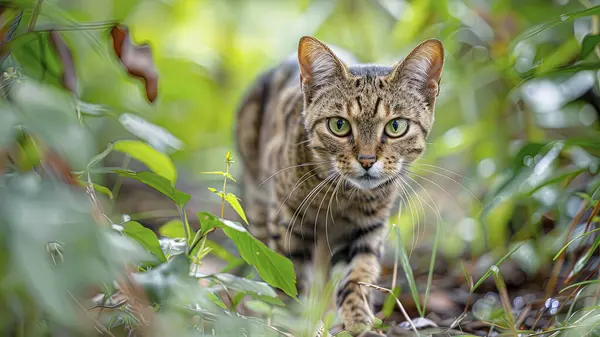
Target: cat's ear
(318,64)
(422,68)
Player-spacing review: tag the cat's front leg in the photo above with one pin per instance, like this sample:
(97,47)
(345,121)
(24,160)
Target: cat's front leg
(358,261)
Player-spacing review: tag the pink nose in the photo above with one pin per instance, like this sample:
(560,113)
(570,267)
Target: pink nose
(367,160)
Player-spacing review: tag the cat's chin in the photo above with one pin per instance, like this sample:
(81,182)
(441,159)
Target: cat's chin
(366,182)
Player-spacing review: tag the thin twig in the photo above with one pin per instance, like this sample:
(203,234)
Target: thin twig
(412,325)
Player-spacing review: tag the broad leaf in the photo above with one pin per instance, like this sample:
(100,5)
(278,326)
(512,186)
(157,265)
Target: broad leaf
(172,229)
(68,77)
(235,204)
(158,162)
(160,183)
(275,269)
(256,289)
(145,237)
(136,59)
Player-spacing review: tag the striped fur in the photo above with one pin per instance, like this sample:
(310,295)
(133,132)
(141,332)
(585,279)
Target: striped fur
(304,187)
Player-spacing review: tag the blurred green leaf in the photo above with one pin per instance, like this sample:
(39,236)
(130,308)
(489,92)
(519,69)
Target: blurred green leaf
(561,19)
(390,302)
(97,188)
(172,229)
(8,120)
(256,289)
(158,162)
(145,237)
(588,44)
(161,184)
(160,282)
(275,269)
(222,253)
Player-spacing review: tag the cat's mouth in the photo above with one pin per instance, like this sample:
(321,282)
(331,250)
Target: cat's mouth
(366,181)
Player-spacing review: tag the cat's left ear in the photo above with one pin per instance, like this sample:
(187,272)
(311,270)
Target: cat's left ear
(318,64)
(422,69)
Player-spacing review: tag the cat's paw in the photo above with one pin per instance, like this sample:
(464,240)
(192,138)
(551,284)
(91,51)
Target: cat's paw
(358,325)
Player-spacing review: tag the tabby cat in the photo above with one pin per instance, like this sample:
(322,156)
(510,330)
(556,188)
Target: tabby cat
(324,145)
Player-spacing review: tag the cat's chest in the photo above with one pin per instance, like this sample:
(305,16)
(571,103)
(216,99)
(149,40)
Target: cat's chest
(333,202)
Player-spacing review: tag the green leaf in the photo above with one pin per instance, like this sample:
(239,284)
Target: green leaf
(158,162)
(172,229)
(256,289)
(589,44)
(161,184)
(275,269)
(98,188)
(233,201)
(145,237)
(403,258)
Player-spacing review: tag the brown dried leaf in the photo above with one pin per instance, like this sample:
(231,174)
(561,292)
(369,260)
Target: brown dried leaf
(60,167)
(136,59)
(68,76)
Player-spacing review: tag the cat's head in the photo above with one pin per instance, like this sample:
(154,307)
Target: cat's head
(367,122)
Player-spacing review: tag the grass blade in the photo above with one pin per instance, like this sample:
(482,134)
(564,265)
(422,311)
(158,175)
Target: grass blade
(403,257)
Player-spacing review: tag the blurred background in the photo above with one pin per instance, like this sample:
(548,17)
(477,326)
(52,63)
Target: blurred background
(515,147)
(513,80)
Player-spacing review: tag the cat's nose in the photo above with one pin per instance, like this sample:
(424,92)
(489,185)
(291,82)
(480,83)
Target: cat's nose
(366,161)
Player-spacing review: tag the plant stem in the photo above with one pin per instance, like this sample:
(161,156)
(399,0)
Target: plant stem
(185,229)
(224,188)
(35,15)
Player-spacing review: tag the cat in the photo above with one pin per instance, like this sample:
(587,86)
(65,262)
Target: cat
(324,144)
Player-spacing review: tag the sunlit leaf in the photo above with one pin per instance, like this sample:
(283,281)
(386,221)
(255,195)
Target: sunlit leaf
(145,237)
(235,204)
(137,60)
(68,77)
(172,229)
(158,137)
(158,162)
(275,269)
(159,183)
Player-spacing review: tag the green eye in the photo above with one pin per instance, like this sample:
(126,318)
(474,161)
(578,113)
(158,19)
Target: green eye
(338,126)
(396,128)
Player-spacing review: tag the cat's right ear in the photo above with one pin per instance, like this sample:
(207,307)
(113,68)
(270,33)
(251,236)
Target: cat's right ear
(318,64)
